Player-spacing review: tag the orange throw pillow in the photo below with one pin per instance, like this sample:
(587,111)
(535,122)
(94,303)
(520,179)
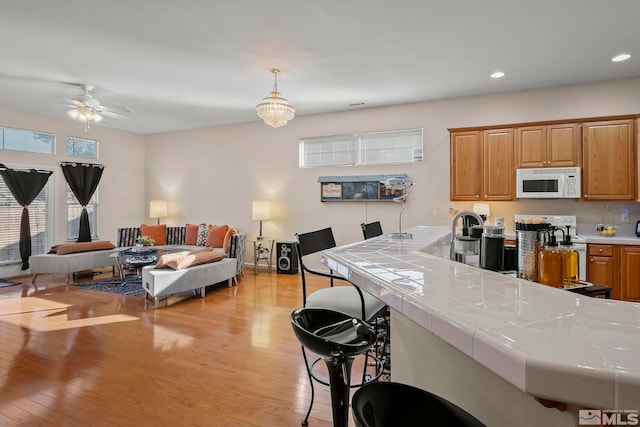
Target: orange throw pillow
(72,248)
(227,239)
(164,260)
(191,235)
(215,238)
(196,258)
(157,232)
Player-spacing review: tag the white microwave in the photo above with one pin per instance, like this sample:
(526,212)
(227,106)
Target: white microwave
(548,183)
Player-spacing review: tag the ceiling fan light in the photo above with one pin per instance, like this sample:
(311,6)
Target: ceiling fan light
(73,114)
(274,110)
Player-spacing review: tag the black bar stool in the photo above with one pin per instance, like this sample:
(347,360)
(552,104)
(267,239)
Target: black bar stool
(337,338)
(388,404)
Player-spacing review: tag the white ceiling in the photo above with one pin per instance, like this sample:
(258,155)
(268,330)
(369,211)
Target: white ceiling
(199,63)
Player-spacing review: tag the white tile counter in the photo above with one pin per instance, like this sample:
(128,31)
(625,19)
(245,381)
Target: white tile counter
(611,240)
(545,342)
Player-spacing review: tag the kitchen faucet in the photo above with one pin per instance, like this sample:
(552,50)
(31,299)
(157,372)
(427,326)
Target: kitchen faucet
(462,214)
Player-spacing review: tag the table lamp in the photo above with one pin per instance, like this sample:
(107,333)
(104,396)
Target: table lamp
(158,209)
(261,211)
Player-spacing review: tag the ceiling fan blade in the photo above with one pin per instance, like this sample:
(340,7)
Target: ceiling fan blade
(116,109)
(111,114)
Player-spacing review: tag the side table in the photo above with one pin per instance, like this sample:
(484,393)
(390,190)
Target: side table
(262,250)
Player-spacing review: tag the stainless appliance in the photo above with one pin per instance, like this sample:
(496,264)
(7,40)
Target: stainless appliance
(569,224)
(548,183)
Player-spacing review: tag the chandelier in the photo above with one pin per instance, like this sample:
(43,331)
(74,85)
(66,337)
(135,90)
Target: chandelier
(85,114)
(275,110)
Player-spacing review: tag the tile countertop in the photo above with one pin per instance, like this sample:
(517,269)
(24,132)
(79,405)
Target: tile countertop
(546,342)
(611,240)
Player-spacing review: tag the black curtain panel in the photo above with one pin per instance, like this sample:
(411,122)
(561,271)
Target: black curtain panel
(83,179)
(24,185)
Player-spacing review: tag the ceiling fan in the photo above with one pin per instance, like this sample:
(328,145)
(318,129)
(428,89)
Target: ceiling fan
(86,109)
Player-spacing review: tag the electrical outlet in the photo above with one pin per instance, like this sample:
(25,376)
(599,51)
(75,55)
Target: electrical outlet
(435,213)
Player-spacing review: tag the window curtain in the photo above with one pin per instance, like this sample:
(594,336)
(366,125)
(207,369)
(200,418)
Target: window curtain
(83,179)
(24,185)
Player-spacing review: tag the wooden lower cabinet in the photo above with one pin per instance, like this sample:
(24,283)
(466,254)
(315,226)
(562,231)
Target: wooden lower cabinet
(630,273)
(603,267)
(617,266)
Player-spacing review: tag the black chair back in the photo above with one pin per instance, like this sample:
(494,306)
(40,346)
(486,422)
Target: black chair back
(315,241)
(310,243)
(371,229)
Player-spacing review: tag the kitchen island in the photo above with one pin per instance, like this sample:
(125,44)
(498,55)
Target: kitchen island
(509,351)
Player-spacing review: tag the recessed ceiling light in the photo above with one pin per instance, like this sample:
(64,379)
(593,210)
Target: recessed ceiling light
(497,75)
(621,57)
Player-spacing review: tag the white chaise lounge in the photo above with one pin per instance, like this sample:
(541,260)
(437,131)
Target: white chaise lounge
(162,282)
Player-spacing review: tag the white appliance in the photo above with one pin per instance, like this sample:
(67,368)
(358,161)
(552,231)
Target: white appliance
(548,183)
(579,243)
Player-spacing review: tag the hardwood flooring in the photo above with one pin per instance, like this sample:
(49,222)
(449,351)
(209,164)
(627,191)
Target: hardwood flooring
(74,357)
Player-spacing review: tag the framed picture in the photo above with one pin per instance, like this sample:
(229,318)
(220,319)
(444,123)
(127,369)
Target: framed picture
(360,190)
(331,191)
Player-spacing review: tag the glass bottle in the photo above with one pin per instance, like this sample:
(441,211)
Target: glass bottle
(569,262)
(550,264)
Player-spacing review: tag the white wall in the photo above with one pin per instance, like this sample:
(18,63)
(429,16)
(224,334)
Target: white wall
(212,175)
(122,187)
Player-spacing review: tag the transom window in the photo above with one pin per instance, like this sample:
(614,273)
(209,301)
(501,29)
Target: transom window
(80,147)
(26,140)
(371,148)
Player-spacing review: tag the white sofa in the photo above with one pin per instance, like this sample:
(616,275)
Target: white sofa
(69,263)
(162,282)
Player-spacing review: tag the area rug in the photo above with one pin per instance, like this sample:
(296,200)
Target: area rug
(4,282)
(133,286)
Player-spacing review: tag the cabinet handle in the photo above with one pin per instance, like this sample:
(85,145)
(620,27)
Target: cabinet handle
(590,259)
(600,250)
(586,196)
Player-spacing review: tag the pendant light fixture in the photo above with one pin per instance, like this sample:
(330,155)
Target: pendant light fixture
(275,110)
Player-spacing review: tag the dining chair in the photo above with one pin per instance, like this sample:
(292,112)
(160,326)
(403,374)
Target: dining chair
(345,298)
(371,229)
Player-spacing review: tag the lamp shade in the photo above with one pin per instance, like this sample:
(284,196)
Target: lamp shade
(158,209)
(261,210)
(482,209)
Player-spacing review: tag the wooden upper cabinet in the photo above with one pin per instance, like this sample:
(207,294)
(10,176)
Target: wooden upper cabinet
(466,165)
(609,160)
(482,165)
(499,174)
(547,146)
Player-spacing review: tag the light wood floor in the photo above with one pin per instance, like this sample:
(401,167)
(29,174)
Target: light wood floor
(74,357)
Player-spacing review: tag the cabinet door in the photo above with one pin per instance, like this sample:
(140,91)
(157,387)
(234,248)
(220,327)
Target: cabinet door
(608,155)
(531,147)
(601,271)
(563,144)
(466,165)
(630,278)
(499,173)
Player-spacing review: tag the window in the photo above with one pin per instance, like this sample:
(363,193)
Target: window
(80,147)
(25,140)
(74,209)
(10,214)
(372,148)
